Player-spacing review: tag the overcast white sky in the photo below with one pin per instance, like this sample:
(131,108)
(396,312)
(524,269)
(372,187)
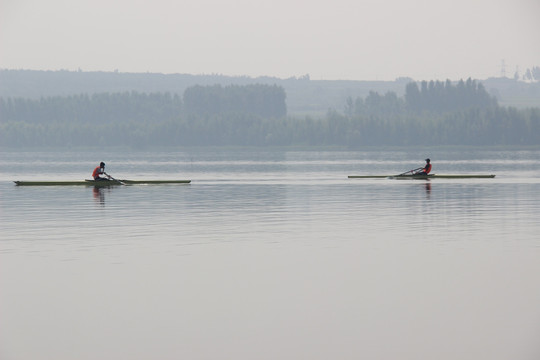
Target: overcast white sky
(338,39)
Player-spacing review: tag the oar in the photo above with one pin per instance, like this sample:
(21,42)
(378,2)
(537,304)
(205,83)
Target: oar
(121,182)
(410,171)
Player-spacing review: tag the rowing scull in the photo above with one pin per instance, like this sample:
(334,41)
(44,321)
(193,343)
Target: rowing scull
(420,177)
(101,183)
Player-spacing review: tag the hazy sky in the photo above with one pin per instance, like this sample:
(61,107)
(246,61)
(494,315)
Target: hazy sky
(338,39)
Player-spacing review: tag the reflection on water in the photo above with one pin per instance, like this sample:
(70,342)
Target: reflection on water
(271,255)
(428,188)
(99,195)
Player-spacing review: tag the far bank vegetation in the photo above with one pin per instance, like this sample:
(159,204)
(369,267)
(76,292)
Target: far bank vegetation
(429,113)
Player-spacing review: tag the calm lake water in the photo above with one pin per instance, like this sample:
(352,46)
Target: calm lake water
(271,254)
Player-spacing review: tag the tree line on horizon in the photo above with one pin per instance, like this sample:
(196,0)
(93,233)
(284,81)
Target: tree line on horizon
(432,96)
(530,74)
(429,113)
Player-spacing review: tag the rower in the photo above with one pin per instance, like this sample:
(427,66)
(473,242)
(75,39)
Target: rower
(100,170)
(426,170)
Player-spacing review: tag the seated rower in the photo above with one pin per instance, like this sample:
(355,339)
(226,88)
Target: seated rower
(100,170)
(426,170)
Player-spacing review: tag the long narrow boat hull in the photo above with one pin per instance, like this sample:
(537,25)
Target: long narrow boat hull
(423,177)
(102,183)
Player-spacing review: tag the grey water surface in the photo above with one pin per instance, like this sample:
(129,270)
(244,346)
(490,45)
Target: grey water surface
(271,254)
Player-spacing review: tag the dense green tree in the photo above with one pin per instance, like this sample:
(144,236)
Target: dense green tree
(439,97)
(535,72)
(95,109)
(430,113)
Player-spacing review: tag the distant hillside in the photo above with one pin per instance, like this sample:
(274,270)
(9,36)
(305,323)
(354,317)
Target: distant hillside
(514,93)
(304,96)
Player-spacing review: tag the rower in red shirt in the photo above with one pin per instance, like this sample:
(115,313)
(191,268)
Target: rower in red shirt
(426,170)
(100,170)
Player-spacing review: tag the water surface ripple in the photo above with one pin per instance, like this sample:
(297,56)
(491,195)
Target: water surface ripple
(271,254)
